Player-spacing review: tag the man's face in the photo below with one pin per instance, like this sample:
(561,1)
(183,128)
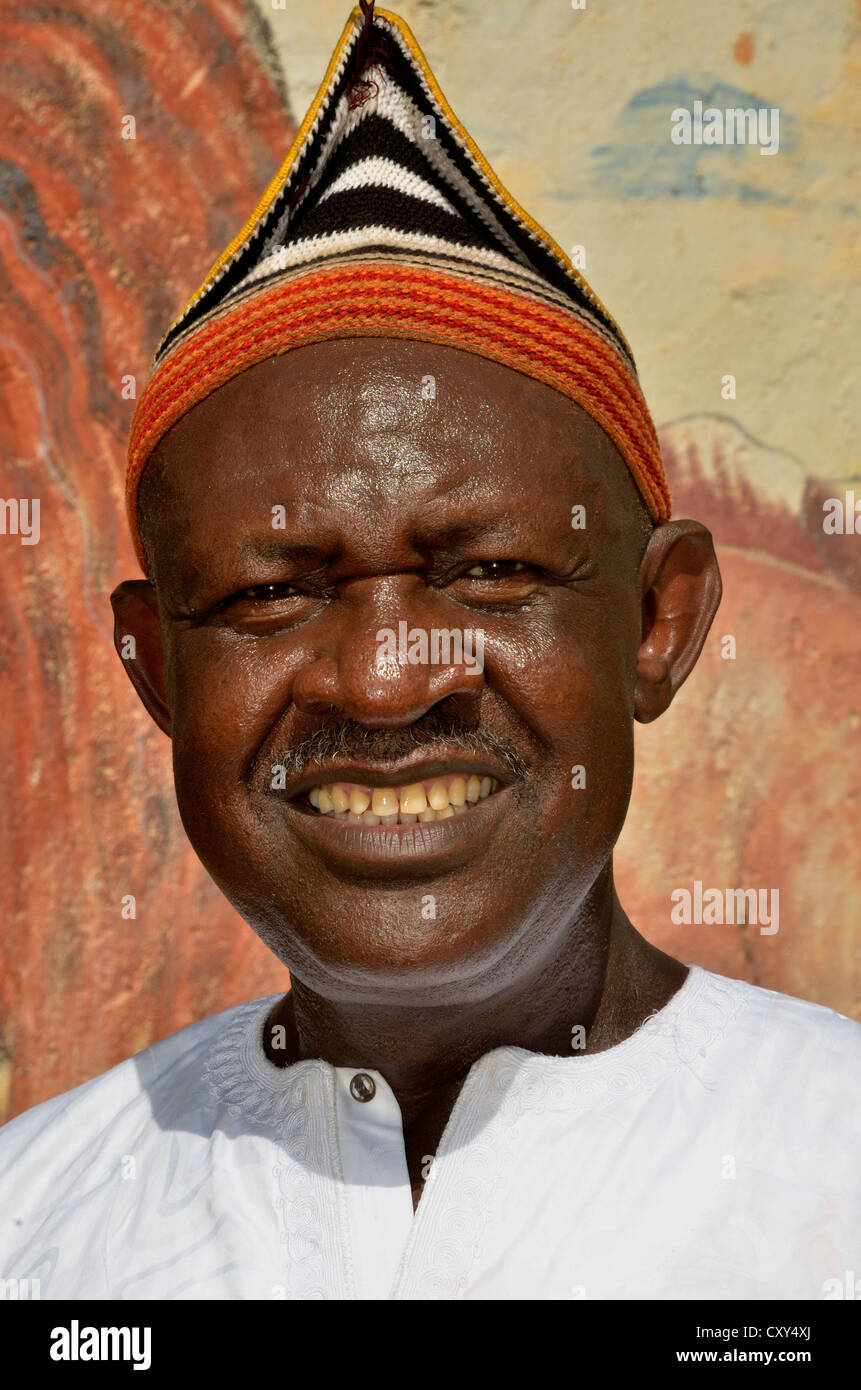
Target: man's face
(343,489)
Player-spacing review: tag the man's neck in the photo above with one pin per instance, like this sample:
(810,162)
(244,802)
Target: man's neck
(597,989)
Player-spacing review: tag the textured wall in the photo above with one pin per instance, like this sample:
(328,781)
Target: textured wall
(715,261)
(100,240)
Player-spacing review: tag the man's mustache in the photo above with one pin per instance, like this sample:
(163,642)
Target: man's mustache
(350,741)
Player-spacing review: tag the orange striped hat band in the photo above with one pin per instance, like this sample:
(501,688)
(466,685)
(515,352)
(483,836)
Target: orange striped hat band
(386,221)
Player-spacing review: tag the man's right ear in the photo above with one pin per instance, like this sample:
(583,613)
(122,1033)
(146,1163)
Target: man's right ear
(137,638)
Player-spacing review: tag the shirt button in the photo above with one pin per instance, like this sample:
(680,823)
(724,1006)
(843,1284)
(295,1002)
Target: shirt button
(362,1086)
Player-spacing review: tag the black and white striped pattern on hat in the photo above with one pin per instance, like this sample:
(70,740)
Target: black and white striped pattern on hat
(383,169)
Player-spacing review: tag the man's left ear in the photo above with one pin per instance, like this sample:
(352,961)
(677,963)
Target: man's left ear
(681,587)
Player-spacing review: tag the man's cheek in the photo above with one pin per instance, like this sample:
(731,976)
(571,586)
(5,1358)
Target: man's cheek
(590,732)
(226,700)
(574,697)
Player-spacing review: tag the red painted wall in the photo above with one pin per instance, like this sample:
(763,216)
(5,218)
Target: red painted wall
(101,241)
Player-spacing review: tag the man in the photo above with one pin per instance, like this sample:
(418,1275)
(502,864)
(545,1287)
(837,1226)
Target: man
(410,580)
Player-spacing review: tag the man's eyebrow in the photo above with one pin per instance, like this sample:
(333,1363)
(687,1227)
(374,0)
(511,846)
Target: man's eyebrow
(427,534)
(446,533)
(275,548)
(268,550)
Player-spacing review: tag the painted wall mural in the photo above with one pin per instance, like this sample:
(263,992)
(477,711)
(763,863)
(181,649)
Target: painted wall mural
(752,780)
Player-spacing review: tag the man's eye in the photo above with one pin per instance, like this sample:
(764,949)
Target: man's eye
(261,593)
(495,569)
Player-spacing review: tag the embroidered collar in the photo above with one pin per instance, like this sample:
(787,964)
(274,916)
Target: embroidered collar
(244,1079)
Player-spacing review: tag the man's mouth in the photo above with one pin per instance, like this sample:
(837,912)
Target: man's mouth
(425,812)
(432,799)
(422,813)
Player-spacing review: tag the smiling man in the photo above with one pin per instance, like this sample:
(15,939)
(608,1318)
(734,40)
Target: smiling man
(394,407)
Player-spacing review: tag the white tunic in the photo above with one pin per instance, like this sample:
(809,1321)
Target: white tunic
(715,1153)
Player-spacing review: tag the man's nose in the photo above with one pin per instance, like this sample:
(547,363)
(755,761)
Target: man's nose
(387,651)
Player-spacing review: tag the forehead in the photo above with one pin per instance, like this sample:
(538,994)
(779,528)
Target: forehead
(346,432)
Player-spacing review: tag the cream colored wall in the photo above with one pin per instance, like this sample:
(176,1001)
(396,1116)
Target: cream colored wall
(753,268)
(715,260)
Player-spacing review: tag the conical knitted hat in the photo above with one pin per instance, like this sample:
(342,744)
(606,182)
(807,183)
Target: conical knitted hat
(385,220)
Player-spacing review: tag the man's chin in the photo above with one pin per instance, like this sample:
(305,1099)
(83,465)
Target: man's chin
(402,945)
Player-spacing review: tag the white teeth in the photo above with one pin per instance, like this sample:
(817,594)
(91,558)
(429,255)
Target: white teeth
(457,792)
(438,798)
(413,799)
(384,801)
